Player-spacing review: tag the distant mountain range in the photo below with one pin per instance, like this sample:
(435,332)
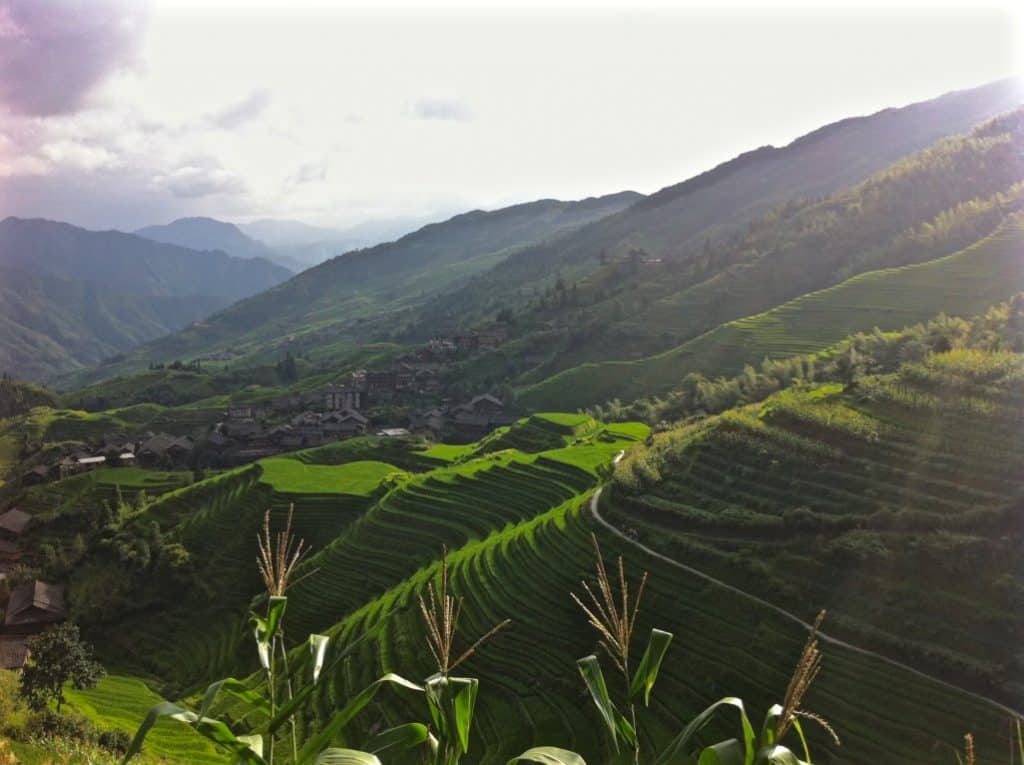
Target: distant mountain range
(209,234)
(683,240)
(71,297)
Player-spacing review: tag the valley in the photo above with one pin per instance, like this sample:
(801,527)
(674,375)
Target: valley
(791,384)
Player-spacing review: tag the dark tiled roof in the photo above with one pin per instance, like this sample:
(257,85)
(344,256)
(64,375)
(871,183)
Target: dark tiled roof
(35,595)
(14,521)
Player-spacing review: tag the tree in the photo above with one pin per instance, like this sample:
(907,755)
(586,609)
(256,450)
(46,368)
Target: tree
(57,657)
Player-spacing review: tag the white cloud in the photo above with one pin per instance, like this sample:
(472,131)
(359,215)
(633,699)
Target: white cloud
(321,112)
(249,108)
(440,108)
(198,181)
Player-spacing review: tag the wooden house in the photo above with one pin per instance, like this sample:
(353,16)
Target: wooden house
(33,606)
(13,524)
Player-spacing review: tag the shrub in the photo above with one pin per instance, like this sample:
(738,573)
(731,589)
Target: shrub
(47,724)
(114,741)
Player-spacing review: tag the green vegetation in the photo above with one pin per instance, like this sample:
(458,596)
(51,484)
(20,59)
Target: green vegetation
(57,657)
(328,306)
(874,498)
(519,527)
(964,283)
(294,477)
(119,703)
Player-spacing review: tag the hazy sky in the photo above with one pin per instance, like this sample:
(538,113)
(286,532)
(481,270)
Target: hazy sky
(119,113)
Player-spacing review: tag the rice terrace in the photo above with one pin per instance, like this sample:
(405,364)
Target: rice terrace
(492,384)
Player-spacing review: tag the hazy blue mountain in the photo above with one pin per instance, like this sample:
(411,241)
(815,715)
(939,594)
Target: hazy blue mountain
(71,297)
(131,264)
(208,234)
(50,326)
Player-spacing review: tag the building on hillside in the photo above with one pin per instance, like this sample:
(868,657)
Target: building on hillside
(442,346)
(484,404)
(393,433)
(33,607)
(10,552)
(305,419)
(37,475)
(126,459)
(380,381)
(479,416)
(181,448)
(242,429)
(13,524)
(337,397)
(241,412)
(13,652)
(344,424)
(429,424)
(153,450)
(85,464)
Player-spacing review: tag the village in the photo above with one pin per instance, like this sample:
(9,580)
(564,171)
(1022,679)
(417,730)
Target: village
(252,430)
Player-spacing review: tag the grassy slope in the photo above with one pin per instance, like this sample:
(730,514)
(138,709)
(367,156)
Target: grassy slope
(119,702)
(723,640)
(518,528)
(293,477)
(873,503)
(964,283)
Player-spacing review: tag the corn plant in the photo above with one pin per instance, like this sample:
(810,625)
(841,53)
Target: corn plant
(612,613)
(451,700)
(278,702)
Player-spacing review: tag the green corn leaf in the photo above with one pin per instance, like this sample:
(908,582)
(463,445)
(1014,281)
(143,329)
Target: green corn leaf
(729,752)
(318,648)
(777,755)
(452,701)
(346,757)
(254,742)
(549,755)
(647,671)
(770,725)
(212,730)
(262,641)
(316,744)
(803,739)
(400,738)
(617,725)
(676,750)
(255,700)
(275,614)
(285,712)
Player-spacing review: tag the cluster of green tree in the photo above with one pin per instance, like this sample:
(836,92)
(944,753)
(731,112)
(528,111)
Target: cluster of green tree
(863,354)
(17,398)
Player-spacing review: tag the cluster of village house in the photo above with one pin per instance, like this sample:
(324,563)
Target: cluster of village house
(31,606)
(252,431)
(243,437)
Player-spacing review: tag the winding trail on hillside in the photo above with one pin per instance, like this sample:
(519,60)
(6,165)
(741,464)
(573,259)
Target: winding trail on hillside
(596,514)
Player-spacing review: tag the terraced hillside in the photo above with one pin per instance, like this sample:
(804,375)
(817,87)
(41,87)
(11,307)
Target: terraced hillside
(517,522)
(532,693)
(895,504)
(963,284)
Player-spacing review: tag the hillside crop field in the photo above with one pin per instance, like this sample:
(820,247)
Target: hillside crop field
(961,284)
(894,504)
(517,524)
